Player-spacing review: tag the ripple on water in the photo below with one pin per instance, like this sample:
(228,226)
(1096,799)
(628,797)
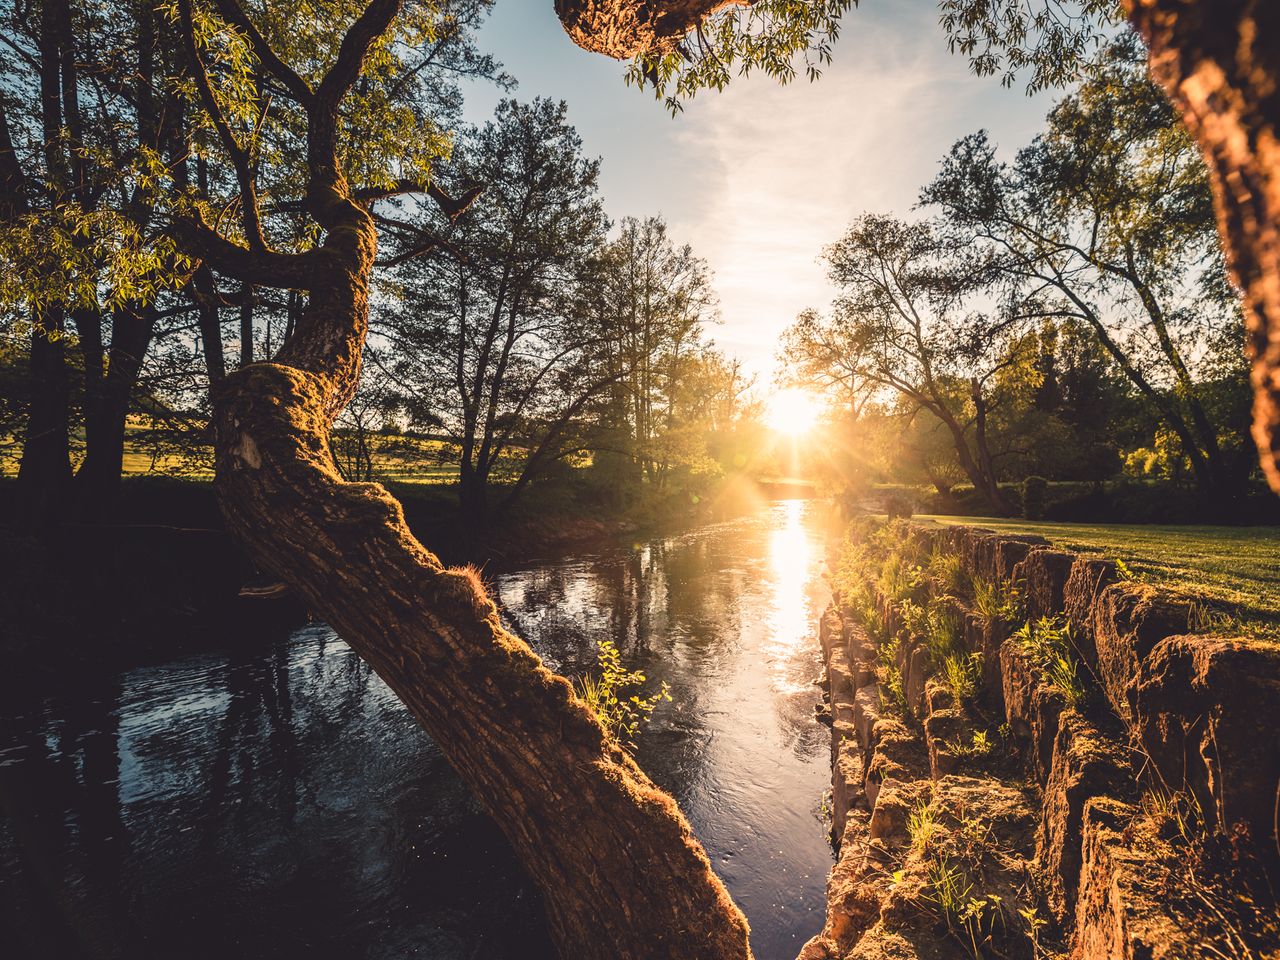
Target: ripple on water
(280,801)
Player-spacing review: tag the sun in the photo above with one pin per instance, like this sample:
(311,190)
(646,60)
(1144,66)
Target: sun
(792,411)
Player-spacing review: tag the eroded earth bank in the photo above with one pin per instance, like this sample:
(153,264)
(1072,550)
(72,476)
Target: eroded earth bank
(1036,755)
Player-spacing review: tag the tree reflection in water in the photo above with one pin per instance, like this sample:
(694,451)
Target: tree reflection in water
(277,800)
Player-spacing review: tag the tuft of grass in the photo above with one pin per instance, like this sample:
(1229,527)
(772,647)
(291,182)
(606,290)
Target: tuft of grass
(943,632)
(922,828)
(1047,643)
(963,674)
(946,573)
(997,602)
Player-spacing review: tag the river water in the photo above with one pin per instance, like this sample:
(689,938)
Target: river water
(278,802)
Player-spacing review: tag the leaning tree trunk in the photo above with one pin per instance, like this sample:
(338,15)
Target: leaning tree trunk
(1219,60)
(621,874)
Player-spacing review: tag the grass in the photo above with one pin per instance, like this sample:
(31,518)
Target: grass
(401,459)
(1237,568)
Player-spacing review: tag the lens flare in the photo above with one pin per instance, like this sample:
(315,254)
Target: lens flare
(792,411)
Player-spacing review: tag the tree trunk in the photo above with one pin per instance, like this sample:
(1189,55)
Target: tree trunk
(97,481)
(473,497)
(621,874)
(1220,63)
(45,472)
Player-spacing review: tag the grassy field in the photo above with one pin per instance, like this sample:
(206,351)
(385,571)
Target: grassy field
(1237,567)
(395,458)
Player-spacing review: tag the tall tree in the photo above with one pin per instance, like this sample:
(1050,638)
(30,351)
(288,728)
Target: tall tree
(658,296)
(1107,218)
(620,871)
(900,327)
(490,338)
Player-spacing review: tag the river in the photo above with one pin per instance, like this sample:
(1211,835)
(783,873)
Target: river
(278,801)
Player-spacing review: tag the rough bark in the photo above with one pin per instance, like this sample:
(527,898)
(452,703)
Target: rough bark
(45,472)
(628,28)
(621,874)
(620,871)
(108,390)
(1220,63)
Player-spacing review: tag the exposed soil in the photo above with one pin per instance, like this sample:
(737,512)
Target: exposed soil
(1100,784)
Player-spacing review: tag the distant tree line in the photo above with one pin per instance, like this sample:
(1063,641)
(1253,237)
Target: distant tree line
(1066,314)
(509,323)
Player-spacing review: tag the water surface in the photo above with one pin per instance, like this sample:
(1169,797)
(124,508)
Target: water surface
(280,802)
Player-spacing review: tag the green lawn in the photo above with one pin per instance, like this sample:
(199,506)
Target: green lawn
(1237,567)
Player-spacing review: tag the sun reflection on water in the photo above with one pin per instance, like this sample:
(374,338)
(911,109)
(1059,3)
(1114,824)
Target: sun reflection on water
(790,557)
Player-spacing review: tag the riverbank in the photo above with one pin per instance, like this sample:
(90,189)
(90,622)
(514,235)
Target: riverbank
(1034,757)
(274,798)
(167,578)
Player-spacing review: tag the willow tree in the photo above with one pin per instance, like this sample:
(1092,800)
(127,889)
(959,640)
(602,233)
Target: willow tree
(620,872)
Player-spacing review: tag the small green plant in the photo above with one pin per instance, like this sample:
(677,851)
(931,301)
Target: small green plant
(1047,643)
(914,617)
(1034,922)
(949,888)
(952,892)
(943,632)
(890,679)
(1126,572)
(978,747)
(946,572)
(997,601)
(922,828)
(1177,812)
(900,579)
(963,674)
(620,711)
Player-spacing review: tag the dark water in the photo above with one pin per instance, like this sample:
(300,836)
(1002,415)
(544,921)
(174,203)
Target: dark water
(279,802)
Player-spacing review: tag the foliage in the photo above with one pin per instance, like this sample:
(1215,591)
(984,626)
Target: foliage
(901,333)
(1048,644)
(1034,494)
(611,698)
(1051,41)
(767,36)
(485,339)
(1106,220)
(997,601)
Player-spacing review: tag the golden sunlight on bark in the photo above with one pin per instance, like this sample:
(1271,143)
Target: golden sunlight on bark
(628,28)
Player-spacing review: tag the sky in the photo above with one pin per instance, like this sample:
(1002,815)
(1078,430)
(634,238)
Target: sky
(760,177)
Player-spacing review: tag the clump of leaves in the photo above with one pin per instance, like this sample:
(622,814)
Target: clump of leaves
(997,601)
(963,674)
(611,696)
(946,572)
(767,36)
(1048,644)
